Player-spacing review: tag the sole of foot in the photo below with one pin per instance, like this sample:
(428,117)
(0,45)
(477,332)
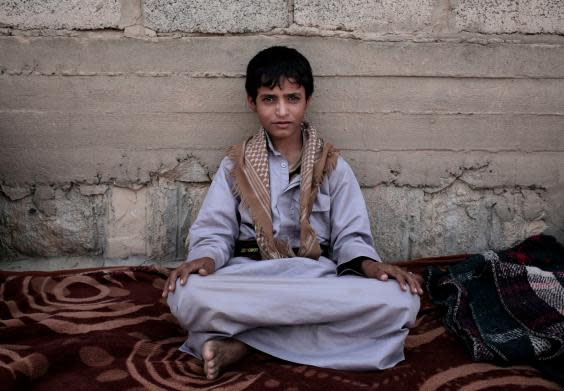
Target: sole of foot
(220,353)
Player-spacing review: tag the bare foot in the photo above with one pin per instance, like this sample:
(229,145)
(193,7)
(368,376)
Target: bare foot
(219,353)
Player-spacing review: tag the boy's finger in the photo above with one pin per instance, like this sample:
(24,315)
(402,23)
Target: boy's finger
(381,275)
(203,272)
(413,283)
(170,281)
(165,288)
(416,285)
(401,280)
(402,277)
(184,275)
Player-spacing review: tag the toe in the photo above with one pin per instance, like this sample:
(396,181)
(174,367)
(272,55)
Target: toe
(212,373)
(208,352)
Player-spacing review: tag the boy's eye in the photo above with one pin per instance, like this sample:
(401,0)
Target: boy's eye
(294,98)
(268,99)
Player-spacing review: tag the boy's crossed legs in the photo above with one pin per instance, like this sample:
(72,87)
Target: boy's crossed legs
(295,310)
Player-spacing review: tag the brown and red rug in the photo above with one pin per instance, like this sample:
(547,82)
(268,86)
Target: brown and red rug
(108,329)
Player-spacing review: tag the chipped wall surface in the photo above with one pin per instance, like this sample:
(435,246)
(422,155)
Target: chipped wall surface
(435,219)
(114,116)
(51,220)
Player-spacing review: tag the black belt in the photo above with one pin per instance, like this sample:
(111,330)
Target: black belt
(250,249)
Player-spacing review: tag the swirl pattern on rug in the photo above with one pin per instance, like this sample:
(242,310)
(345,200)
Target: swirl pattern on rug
(109,329)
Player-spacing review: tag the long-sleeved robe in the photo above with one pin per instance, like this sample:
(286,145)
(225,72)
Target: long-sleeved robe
(317,312)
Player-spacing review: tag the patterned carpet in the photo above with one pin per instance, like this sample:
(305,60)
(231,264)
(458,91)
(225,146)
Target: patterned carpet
(108,329)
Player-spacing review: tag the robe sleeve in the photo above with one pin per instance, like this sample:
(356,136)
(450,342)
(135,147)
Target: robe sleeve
(216,228)
(351,237)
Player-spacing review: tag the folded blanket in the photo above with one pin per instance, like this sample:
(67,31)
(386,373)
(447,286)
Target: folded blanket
(507,306)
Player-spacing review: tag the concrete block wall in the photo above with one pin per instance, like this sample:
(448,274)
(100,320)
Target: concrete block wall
(114,117)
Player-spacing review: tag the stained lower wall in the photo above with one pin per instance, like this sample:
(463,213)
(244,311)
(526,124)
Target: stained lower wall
(114,116)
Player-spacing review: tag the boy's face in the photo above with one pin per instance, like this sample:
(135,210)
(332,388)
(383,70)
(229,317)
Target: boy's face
(281,110)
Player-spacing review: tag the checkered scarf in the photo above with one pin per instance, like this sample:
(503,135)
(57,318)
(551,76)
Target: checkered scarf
(252,185)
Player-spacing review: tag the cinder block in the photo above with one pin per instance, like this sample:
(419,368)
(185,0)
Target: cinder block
(410,223)
(215,16)
(107,94)
(125,131)
(381,132)
(509,16)
(92,190)
(162,219)
(131,13)
(15,193)
(555,215)
(228,56)
(366,15)
(405,168)
(126,232)
(173,207)
(188,171)
(53,14)
(44,200)
(73,224)
(92,165)
(438,169)
(394,217)
(438,95)
(53,130)
(178,94)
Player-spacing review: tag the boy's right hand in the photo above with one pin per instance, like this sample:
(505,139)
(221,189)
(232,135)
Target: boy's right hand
(202,266)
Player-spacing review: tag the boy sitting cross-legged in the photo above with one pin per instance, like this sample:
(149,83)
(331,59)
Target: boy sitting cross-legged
(281,251)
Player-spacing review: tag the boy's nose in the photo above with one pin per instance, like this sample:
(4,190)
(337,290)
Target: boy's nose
(281,109)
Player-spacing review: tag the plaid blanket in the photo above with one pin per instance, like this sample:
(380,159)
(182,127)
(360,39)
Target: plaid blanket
(507,306)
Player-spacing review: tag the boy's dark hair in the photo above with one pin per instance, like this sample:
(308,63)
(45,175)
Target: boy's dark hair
(271,66)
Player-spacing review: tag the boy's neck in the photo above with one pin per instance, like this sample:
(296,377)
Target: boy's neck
(289,148)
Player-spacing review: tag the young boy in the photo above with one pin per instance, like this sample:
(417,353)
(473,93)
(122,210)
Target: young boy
(281,251)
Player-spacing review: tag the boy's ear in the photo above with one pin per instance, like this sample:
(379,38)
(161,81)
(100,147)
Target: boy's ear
(251,103)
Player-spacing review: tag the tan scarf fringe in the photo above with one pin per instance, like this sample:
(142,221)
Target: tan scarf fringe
(251,185)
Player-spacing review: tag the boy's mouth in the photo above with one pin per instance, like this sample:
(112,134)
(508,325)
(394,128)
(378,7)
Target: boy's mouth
(282,123)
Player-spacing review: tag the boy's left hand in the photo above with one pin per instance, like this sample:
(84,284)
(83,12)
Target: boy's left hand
(383,271)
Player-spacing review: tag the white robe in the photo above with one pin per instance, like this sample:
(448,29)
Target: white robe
(314,312)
